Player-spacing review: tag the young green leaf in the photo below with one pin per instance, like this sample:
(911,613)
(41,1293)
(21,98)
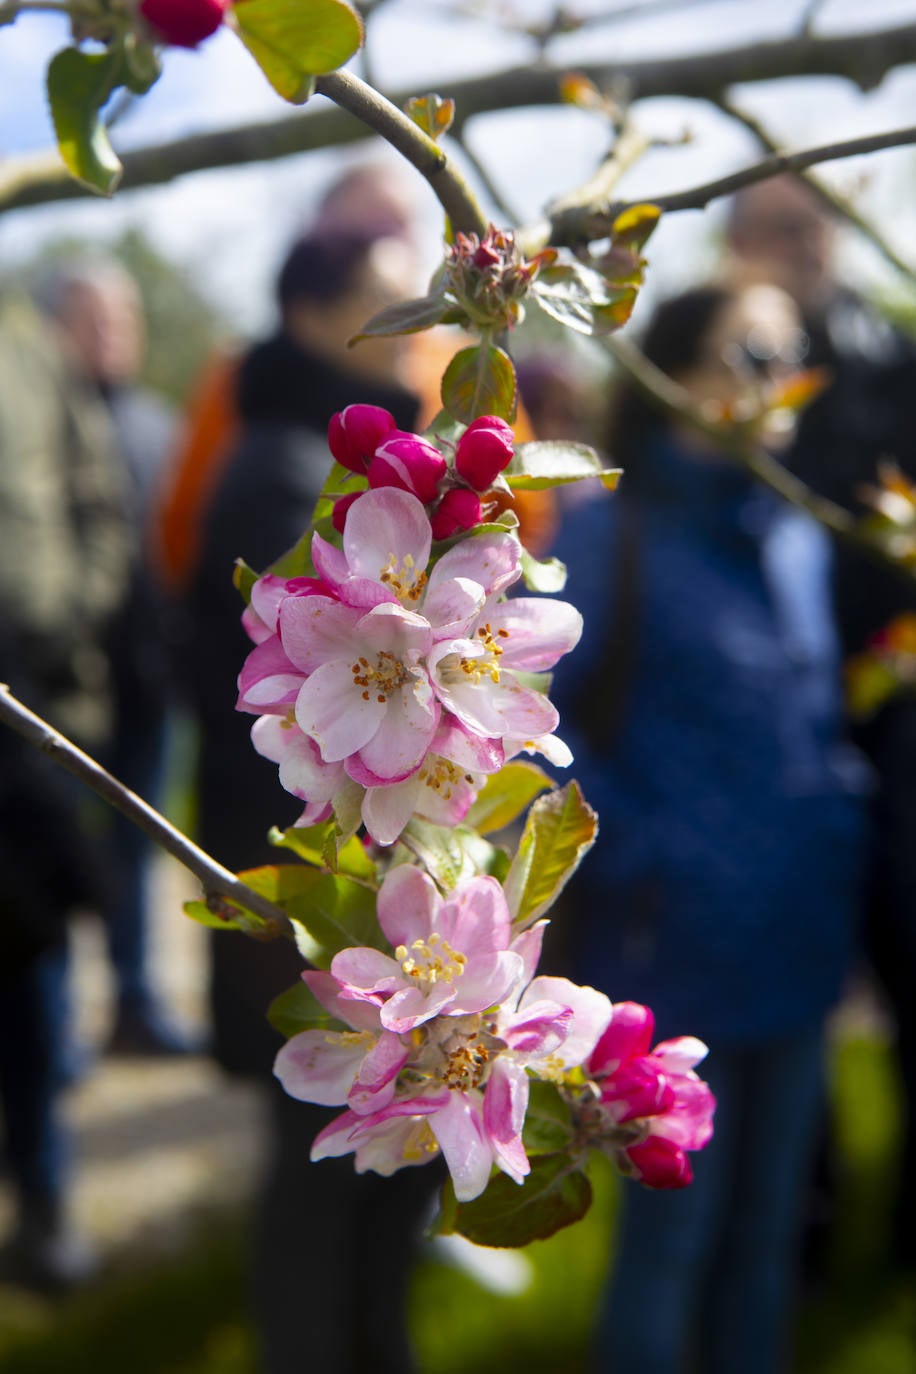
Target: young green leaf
(479,381)
(543,575)
(79,85)
(555,1194)
(311,844)
(405,317)
(297,1009)
(293,41)
(555,462)
(431,113)
(548,1120)
(559,832)
(505,795)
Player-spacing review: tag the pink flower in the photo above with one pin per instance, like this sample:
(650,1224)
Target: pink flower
(653,1107)
(356,432)
(463,1086)
(451,955)
(409,463)
(184,23)
(400,675)
(458,510)
(483,451)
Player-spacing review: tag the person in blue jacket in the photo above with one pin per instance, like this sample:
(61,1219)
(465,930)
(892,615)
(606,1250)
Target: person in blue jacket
(704,711)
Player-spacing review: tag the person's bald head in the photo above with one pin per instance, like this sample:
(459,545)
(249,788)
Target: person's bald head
(779,232)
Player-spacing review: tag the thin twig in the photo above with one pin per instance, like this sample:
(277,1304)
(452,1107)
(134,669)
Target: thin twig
(581,222)
(659,388)
(407,138)
(220,886)
(832,200)
(863,58)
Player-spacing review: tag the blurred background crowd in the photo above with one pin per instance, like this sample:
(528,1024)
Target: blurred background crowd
(754,881)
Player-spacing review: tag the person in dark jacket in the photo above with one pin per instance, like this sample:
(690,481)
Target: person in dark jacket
(704,713)
(332,1249)
(779,232)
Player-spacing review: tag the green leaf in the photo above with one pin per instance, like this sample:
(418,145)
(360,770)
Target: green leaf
(293,41)
(243,579)
(548,1120)
(431,113)
(336,911)
(505,795)
(444,428)
(233,919)
(79,84)
(405,317)
(559,832)
(143,67)
(634,226)
(479,381)
(580,298)
(452,854)
(316,844)
(554,1195)
(547,575)
(554,463)
(297,1009)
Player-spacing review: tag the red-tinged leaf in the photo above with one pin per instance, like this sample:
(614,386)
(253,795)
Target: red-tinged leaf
(432,113)
(479,381)
(635,226)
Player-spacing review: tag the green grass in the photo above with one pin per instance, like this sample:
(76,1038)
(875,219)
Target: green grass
(186,1317)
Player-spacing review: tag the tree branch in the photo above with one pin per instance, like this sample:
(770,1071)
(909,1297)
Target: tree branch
(659,388)
(581,222)
(861,57)
(838,205)
(421,151)
(220,886)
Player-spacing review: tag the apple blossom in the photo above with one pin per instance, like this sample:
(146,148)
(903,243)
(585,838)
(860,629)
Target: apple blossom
(452,1080)
(653,1106)
(356,432)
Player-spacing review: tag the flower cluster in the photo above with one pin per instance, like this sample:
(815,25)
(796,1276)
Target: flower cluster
(439,1038)
(652,1107)
(396,676)
(488,277)
(184,23)
(366,440)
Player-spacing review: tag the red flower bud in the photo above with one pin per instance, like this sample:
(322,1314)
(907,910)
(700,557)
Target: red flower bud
(410,463)
(484,449)
(355,433)
(341,506)
(184,23)
(459,509)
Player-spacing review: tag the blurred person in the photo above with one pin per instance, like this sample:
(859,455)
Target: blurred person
(332,1250)
(98,312)
(562,399)
(63,573)
(779,231)
(369,193)
(704,712)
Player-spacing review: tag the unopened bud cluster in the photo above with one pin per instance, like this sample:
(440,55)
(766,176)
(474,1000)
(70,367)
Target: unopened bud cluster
(366,440)
(489,278)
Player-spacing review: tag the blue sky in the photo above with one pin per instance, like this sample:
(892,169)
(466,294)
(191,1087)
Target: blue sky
(230,226)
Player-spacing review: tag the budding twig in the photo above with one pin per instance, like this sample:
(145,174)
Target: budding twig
(223,890)
(659,388)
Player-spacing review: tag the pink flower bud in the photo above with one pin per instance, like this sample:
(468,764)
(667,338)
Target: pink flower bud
(659,1163)
(484,449)
(410,463)
(355,433)
(184,23)
(459,509)
(341,506)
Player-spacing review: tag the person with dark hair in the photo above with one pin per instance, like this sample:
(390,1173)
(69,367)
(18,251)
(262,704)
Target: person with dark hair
(705,716)
(345,1309)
